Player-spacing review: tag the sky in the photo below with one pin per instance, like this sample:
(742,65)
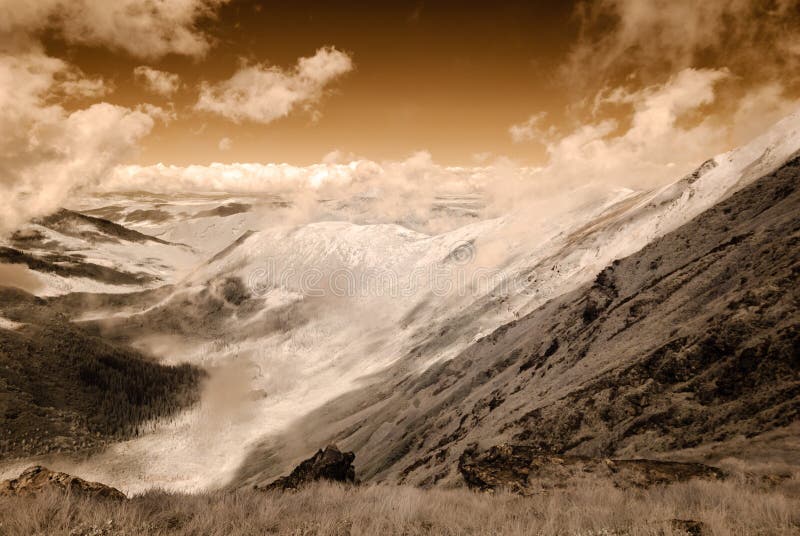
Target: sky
(447,77)
(96,93)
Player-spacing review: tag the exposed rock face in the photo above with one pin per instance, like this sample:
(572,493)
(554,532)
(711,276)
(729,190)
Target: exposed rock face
(527,470)
(329,464)
(37,479)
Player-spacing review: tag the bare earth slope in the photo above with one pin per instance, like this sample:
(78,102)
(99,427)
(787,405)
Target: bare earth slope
(691,341)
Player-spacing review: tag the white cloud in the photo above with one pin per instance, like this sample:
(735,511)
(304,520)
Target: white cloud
(662,138)
(397,191)
(144,29)
(762,106)
(225,144)
(160,82)
(262,93)
(418,171)
(47,150)
(656,146)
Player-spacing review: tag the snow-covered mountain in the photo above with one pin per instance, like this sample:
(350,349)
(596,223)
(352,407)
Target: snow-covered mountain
(287,314)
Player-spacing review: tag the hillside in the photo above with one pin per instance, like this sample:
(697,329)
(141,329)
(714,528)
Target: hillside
(689,343)
(68,251)
(62,389)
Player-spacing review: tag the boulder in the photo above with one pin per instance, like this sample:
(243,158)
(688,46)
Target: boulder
(690,527)
(328,464)
(528,470)
(38,479)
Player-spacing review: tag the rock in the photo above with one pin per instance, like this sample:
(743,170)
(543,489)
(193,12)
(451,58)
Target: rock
(527,470)
(690,527)
(36,479)
(329,464)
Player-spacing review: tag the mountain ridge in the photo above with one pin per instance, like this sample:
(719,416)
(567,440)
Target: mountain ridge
(705,379)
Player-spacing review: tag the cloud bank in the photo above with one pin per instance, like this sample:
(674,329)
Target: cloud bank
(656,145)
(262,93)
(361,190)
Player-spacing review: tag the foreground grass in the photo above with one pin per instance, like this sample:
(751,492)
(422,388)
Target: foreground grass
(733,507)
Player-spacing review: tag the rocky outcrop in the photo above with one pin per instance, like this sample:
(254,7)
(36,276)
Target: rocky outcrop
(527,470)
(38,479)
(328,464)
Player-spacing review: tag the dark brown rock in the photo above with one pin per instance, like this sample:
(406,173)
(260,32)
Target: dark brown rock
(527,470)
(329,464)
(690,527)
(38,479)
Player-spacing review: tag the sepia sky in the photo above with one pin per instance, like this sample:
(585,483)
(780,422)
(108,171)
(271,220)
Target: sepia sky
(636,85)
(448,77)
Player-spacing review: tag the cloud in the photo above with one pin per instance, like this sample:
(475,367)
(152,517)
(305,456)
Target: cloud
(418,171)
(753,38)
(527,130)
(762,106)
(262,93)
(225,144)
(160,82)
(52,147)
(665,84)
(144,29)
(48,151)
(364,191)
(658,144)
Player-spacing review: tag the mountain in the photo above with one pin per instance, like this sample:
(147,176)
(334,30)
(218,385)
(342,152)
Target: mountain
(684,346)
(403,345)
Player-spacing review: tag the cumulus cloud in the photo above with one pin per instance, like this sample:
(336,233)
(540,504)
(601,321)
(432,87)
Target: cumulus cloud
(262,93)
(47,150)
(160,82)
(662,140)
(365,175)
(144,29)
(50,146)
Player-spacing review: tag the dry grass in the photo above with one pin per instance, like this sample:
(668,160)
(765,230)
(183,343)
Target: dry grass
(734,507)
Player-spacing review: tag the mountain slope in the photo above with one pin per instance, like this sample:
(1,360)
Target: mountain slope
(71,252)
(63,389)
(692,340)
(280,345)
